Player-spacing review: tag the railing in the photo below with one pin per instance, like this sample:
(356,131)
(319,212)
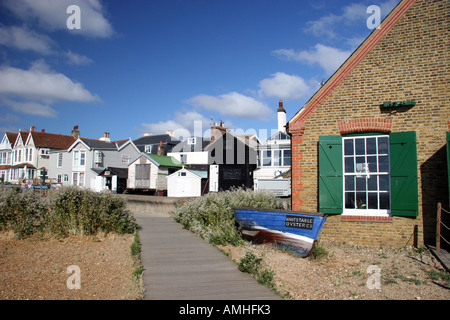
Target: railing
(438,227)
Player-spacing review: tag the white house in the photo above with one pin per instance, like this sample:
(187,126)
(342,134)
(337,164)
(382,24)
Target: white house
(91,163)
(274,159)
(6,146)
(187,183)
(148,172)
(30,153)
(191,151)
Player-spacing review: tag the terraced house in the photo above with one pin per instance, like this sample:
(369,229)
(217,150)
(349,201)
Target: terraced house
(369,147)
(25,154)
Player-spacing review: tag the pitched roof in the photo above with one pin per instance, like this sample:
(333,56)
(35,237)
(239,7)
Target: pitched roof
(51,140)
(11,137)
(156,139)
(99,144)
(357,56)
(165,160)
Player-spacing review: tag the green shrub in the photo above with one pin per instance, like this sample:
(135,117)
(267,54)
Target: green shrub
(252,264)
(80,211)
(21,211)
(68,210)
(212,217)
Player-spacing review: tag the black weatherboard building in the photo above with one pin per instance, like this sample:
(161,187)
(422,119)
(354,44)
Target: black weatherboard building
(232,160)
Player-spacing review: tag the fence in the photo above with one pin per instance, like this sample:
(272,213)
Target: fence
(439,223)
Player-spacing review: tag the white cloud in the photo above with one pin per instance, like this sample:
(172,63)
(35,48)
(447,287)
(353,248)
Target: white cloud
(284,86)
(24,39)
(30,107)
(32,91)
(41,83)
(232,104)
(184,125)
(77,59)
(51,15)
(352,14)
(330,59)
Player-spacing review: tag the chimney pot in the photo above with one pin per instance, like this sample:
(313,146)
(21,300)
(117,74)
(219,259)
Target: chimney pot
(43,130)
(31,128)
(75,132)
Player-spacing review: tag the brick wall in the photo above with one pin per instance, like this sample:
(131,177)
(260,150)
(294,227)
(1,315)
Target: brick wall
(410,63)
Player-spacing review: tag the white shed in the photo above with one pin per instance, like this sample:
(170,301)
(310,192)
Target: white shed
(186,183)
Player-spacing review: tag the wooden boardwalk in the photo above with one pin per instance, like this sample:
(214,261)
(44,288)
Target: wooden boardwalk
(443,256)
(178,265)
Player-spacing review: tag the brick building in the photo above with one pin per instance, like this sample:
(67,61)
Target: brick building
(369,147)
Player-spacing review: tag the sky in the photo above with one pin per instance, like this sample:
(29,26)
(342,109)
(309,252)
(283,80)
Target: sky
(136,66)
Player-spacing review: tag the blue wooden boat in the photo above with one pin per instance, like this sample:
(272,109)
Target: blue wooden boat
(292,229)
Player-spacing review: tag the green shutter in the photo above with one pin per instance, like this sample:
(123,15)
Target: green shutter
(448,163)
(330,175)
(404,181)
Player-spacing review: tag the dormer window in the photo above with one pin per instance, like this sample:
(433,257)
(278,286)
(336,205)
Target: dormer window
(44,153)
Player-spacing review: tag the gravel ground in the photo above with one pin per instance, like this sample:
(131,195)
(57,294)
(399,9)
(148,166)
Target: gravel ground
(404,274)
(37,268)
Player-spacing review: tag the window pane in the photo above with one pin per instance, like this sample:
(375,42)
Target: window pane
(361,164)
(384,183)
(383,164)
(360,146)
(383,144)
(287,157)
(267,158)
(350,200)
(372,183)
(349,165)
(371,145)
(349,183)
(348,147)
(384,200)
(373,200)
(360,183)
(276,158)
(361,200)
(372,163)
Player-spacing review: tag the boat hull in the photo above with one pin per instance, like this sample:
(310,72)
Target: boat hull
(297,231)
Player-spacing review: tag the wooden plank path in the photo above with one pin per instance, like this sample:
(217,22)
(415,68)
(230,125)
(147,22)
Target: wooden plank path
(178,265)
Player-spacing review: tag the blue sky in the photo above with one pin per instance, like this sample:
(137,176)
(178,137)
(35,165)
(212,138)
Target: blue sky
(155,65)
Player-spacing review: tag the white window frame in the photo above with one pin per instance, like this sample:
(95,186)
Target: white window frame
(273,158)
(79,158)
(191,141)
(78,179)
(59,160)
(364,172)
(125,158)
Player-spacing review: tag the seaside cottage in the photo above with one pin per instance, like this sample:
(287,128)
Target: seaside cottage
(147,173)
(187,183)
(370,147)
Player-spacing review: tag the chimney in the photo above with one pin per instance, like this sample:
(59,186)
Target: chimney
(147,134)
(169,132)
(160,151)
(43,130)
(218,130)
(281,117)
(31,128)
(105,137)
(75,132)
